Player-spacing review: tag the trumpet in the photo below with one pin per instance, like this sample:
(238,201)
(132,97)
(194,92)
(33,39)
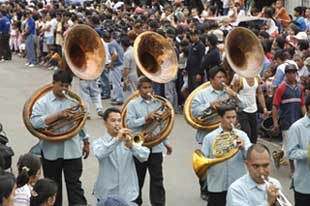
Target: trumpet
(281,199)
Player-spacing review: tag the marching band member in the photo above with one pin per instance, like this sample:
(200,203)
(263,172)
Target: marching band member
(115,154)
(65,156)
(251,188)
(221,175)
(141,111)
(299,151)
(211,97)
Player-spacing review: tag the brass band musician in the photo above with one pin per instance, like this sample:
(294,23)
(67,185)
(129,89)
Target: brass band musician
(221,175)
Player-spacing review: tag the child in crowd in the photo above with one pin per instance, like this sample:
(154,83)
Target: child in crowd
(14,38)
(29,172)
(44,193)
(7,189)
(53,59)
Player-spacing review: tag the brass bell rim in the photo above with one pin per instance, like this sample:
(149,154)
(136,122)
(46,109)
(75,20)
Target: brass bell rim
(170,119)
(248,70)
(27,110)
(169,70)
(191,120)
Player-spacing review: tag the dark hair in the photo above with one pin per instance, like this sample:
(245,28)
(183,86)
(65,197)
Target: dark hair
(42,190)
(258,147)
(299,10)
(64,76)
(280,40)
(303,44)
(108,111)
(280,55)
(142,80)
(125,41)
(307,103)
(214,70)
(212,39)
(28,166)
(7,184)
(225,108)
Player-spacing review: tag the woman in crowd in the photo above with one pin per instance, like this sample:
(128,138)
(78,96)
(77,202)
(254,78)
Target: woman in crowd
(44,193)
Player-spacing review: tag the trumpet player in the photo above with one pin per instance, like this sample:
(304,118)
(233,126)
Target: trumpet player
(142,111)
(252,188)
(221,175)
(299,151)
(115,153)
(64,156)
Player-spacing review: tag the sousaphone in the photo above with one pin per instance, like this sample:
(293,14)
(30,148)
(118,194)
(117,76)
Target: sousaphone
(245,56)
(156,59)
(84,55)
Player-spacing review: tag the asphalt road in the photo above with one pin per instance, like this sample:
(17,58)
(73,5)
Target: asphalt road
(18,83)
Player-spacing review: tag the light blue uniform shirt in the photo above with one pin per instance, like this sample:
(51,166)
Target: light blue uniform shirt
(202,101)
(222,175)
(68,149)
(245,192)
(117,172)
(135,118)
(298,140)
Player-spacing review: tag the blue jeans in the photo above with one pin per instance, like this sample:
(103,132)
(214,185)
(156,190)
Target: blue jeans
(31,49)
(105,80)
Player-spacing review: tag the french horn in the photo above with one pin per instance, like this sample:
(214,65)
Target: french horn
(166,120)
(223,148)
(84,55)
(245,56)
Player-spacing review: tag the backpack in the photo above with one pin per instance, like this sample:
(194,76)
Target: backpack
(6,152)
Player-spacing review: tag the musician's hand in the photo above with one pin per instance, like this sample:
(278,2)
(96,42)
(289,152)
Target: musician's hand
(198,77)
(169,149)
(86,149)
(272,193)
(230,92)
(216,104)
(239,143)
(266,113)
(122,134)
(152,116)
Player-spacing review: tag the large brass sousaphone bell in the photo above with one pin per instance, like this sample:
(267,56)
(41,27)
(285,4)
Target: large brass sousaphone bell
(245,56)
(85,56)
(156,59)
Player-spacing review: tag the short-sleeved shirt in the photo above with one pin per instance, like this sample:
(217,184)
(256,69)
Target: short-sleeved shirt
(130,63)
(115,47)
(5,25)
(289,100)
(31,26)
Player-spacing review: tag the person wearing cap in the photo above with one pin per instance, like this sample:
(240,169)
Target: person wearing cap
(115,154)
(213,56)
(288,106)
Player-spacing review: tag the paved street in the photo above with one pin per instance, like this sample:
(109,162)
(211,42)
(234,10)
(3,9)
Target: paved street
(18,83)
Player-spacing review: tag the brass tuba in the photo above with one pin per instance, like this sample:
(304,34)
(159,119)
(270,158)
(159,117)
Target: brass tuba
(245,56)
(155,57)
(84,55)
(166,118)
(223,148)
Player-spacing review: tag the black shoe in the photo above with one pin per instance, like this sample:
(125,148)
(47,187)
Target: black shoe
(204,195)
(88,117)
(100,113)
(105,97)
(116,103)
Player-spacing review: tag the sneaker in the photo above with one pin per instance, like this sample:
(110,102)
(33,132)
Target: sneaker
(27,64)
(51,68)
(31,65)
(2,60)
(41,63)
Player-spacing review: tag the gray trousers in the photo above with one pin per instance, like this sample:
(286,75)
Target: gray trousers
(105,80)
(90,90)
(116,77)
(31,49)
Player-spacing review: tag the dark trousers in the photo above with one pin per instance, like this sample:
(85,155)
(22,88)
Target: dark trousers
(72,172)
(301,199)
(5,51)
(157,190)
(192,83)
(248,123)
(217,198)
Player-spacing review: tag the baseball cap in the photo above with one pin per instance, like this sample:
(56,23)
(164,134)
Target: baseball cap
(307,61)
(290,68)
